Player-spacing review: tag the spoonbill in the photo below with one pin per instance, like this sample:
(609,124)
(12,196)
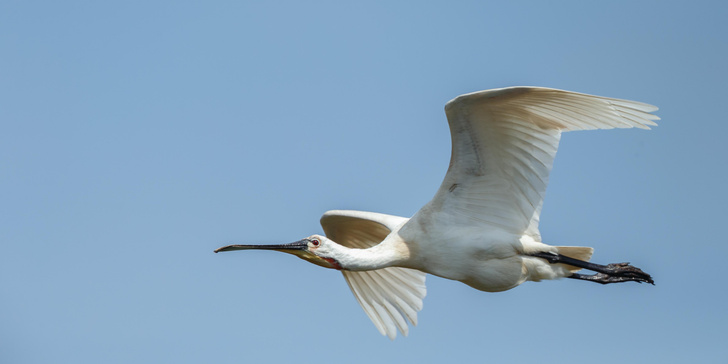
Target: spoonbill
(481,227)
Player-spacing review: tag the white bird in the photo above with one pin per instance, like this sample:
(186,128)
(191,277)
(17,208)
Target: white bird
(481,228)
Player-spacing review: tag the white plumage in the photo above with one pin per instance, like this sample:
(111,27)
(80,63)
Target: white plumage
(481,227)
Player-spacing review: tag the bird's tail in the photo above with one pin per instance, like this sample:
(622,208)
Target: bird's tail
(576,252)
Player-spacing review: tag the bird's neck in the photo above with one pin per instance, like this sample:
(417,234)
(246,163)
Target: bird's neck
(386,254)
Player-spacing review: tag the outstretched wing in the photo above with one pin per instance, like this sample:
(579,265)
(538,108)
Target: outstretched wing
(503,146)
(389,296)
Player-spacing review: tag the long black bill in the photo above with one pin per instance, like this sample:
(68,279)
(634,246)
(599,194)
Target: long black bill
(288,248)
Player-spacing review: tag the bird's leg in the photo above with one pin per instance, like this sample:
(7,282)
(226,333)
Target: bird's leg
(610,273)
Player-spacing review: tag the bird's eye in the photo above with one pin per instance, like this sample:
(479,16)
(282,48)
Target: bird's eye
(315,242)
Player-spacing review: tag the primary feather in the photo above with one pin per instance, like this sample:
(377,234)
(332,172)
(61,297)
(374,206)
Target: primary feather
(389,296)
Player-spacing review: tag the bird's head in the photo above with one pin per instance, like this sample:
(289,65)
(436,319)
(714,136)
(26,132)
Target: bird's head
(316,249)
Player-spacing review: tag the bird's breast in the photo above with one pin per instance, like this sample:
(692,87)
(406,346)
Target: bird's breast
(491,265)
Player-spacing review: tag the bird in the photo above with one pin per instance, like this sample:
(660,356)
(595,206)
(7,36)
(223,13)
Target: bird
(482,226)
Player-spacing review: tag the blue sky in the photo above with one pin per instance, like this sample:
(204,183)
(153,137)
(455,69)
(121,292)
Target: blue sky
(136,137)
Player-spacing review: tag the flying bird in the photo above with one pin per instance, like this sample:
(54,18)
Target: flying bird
(481,227)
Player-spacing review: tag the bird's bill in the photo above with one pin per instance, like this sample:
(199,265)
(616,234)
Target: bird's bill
(299,249)
(292,248)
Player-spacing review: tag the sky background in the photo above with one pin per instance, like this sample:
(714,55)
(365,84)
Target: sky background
(136,137)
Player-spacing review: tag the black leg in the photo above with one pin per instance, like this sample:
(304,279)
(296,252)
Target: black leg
(610,273)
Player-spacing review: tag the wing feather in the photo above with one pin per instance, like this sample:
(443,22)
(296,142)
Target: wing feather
(391,296)
(503,145)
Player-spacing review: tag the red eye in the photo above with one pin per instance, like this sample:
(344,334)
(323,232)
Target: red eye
(315,242)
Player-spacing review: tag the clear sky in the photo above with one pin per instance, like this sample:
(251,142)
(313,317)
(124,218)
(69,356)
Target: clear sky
(138,136)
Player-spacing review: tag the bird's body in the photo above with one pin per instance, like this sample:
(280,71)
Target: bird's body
(481,227)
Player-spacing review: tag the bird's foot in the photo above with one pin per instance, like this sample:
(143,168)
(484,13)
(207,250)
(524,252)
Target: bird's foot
(629,273)
(610,273)
(616,273)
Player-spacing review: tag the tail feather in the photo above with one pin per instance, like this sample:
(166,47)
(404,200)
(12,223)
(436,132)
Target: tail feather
(576,252)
